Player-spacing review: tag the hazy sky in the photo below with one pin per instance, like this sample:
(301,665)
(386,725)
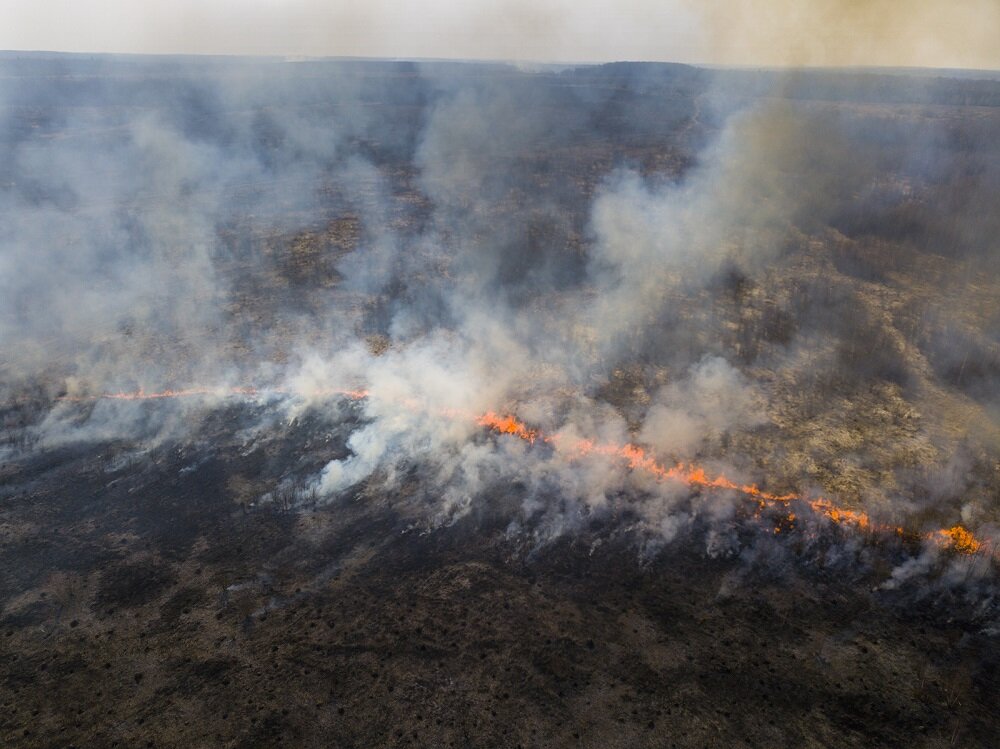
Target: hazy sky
(928,33)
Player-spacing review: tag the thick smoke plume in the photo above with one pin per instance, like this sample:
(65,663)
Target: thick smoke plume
(266,225)
(846,33)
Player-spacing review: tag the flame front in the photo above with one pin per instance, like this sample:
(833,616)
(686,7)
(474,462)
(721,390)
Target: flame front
(634,456)
(508,425)
(638,459)
(958,538)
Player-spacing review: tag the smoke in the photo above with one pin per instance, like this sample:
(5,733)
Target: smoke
(844,33)
(694,278)
(502,339)
(714,398)
(920,33)
(115,253)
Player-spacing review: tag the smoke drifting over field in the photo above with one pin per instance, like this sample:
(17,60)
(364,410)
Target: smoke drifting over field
(426,234)
(916,33)
(925,33)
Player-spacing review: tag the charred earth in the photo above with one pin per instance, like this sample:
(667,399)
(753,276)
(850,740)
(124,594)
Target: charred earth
(325,385)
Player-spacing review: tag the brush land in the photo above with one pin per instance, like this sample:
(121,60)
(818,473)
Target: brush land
(181,584)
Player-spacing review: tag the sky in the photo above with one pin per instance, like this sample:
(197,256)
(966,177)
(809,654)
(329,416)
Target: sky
(915,33)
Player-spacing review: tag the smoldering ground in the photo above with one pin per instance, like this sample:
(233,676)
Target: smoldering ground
(750,272)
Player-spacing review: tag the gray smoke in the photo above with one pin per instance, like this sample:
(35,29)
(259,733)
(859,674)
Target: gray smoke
(268,225)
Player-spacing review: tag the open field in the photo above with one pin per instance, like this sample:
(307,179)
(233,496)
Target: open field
(344,404)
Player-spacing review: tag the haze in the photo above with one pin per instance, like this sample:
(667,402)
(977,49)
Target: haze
(914,33)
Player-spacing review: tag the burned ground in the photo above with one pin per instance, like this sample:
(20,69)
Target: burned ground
(152,609)
(184,583)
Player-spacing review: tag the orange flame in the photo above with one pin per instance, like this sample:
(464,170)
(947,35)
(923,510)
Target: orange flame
(958,538)
(635,457)
(507,425)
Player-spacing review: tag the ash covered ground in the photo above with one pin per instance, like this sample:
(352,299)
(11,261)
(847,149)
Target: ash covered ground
(384,404)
